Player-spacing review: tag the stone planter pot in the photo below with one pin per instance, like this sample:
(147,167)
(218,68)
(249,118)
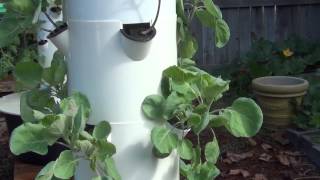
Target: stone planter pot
(278,97)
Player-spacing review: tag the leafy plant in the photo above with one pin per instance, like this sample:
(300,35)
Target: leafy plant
(309,113)
(18,29)
(209,15)
(185,103)
(65,125)
(188,94)
(290,57)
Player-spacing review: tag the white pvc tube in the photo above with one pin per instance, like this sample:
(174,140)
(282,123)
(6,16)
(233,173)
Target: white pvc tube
(115,84)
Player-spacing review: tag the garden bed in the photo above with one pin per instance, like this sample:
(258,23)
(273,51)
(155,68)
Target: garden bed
(308,141)
(267,155)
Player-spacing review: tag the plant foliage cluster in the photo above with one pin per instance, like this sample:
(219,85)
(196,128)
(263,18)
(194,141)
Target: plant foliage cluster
(289,57)
(18,29)
(309,113)
(187,96)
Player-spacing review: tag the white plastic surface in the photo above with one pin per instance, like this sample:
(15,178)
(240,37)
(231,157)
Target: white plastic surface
(115,84)
(47,50)
(61,41)
(10,104)
(134,49)
(126,11)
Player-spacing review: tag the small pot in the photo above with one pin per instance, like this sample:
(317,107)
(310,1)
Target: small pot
(60,38)
(10,107)
(279,97)
(135,43)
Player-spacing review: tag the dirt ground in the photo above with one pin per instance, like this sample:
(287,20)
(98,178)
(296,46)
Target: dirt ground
(268,156)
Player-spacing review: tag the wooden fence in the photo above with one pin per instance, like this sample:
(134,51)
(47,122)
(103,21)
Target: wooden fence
(253,19)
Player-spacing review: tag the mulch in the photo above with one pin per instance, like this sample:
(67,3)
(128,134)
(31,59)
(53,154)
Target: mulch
(267,156)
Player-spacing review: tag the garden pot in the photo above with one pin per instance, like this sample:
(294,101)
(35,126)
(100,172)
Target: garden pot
(135,45)
(60,38)
(10,107)
(278,97)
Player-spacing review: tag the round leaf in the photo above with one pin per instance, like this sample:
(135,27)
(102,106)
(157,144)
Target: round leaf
(28,73)
(185,149)
(102,130)
(244,118)
(152,107)
(212,151)
(164,140)
(65,165)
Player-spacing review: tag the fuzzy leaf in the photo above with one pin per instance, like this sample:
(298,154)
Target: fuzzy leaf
(31,137)
(102,130)
(164,140)
(244,118)
(212,151)
(111,169)
(46,173)
(185,149)
(152,107)
(65,165)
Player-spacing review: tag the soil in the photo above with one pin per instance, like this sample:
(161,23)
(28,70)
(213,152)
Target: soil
(6,159)
(135,32)
(284,163)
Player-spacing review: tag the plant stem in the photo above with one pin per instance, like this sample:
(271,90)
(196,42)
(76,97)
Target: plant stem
(63,144)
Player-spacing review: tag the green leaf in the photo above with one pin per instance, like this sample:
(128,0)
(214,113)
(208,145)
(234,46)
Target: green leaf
(171,104)
(46,173)
(179,74)
(28,73)
(185,149)
(198,122)
(55,75)
(244,118)
(104,150)
(25,6)
(222,33)
(65,165)
(102,130)
(180,10)
(158,154)
(26,111)
(205,18)
(85,146)
(70,105)
(207,171)
(31,137)
(164,140)
(188,46)
(212,151)
(11,25)
(101,178)
(111,169)
(212,9)
(152,107)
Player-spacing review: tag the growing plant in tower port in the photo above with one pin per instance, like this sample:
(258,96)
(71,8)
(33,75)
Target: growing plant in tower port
(187,96)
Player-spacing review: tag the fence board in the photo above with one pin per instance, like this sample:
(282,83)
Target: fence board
(259,3)
(249,20)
